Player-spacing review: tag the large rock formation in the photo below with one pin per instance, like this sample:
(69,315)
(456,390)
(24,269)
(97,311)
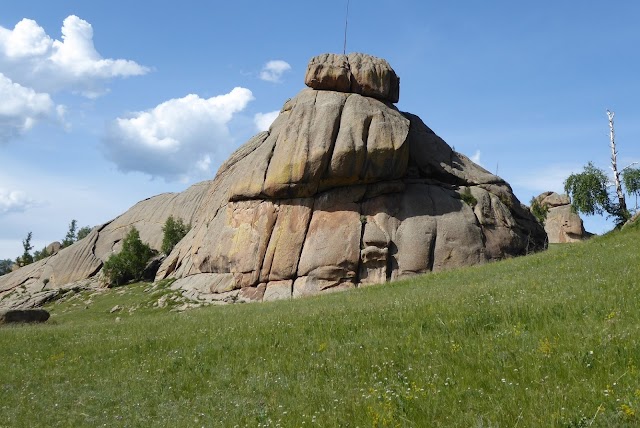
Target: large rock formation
(562,223)
(343,190)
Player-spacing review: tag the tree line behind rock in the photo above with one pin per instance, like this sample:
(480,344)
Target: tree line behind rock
(73,234)
(120,268)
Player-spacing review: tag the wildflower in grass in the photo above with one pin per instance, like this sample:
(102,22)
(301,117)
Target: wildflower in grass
(628,411)
(517,329)
(544,347)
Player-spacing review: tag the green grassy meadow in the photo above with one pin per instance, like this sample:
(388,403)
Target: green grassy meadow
(548,340)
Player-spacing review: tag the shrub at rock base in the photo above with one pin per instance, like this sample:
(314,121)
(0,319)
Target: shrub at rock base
(130,262)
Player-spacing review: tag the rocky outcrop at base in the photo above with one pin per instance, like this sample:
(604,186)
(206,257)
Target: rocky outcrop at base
(344,190)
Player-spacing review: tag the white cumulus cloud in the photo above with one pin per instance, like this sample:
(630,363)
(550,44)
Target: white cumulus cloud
(14,201)
(176,139)
(21,108)
(26,40)
(273,70)
(31,58)
(264,120)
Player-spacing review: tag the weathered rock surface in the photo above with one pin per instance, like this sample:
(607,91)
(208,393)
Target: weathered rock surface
(343,190)
(355,73)
(562,223)
(21,316)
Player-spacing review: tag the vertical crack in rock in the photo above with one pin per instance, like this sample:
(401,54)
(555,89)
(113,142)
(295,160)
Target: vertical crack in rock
(365,140)
(360,264)
(263,247)
(306,232)
(391,247)
(95,272)
(266,170)
(309,146)
(432,245)
(326,161)
(93,252)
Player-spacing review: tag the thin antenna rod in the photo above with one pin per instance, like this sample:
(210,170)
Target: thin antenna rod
(346,23)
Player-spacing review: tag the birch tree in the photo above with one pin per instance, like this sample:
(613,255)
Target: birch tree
(589,190)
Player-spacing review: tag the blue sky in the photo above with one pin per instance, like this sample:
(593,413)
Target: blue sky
(113,102)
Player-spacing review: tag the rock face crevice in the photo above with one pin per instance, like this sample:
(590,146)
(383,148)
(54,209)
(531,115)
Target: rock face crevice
(344,190)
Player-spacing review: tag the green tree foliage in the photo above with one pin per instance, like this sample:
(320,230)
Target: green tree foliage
(631,180)
(130,262)
(589,194)
(174,230)
(5,266)
(70,237)
(467,197)
(26,258)
(538,210)
(588,191)
(39,255)
(83,232)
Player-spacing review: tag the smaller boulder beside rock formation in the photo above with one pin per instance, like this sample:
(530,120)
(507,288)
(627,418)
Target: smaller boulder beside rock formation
(16,316)
(562,223)
(53,248)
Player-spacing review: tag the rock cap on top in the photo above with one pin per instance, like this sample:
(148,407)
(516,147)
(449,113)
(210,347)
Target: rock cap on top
(355,73)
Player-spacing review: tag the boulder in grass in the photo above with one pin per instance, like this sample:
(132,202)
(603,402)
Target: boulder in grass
(21,316)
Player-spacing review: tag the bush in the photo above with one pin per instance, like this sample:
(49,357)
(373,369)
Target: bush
(39,255)
(83,232)
(130,262)
(174,230)
(467,197)
(5,266)
(538,210)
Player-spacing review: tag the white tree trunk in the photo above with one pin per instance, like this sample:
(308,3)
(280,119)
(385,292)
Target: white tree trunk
(614,163)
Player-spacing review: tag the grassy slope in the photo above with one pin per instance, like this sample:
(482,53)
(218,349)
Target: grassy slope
(546,340)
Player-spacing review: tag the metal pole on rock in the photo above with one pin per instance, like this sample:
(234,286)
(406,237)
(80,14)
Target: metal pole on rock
(346,23)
